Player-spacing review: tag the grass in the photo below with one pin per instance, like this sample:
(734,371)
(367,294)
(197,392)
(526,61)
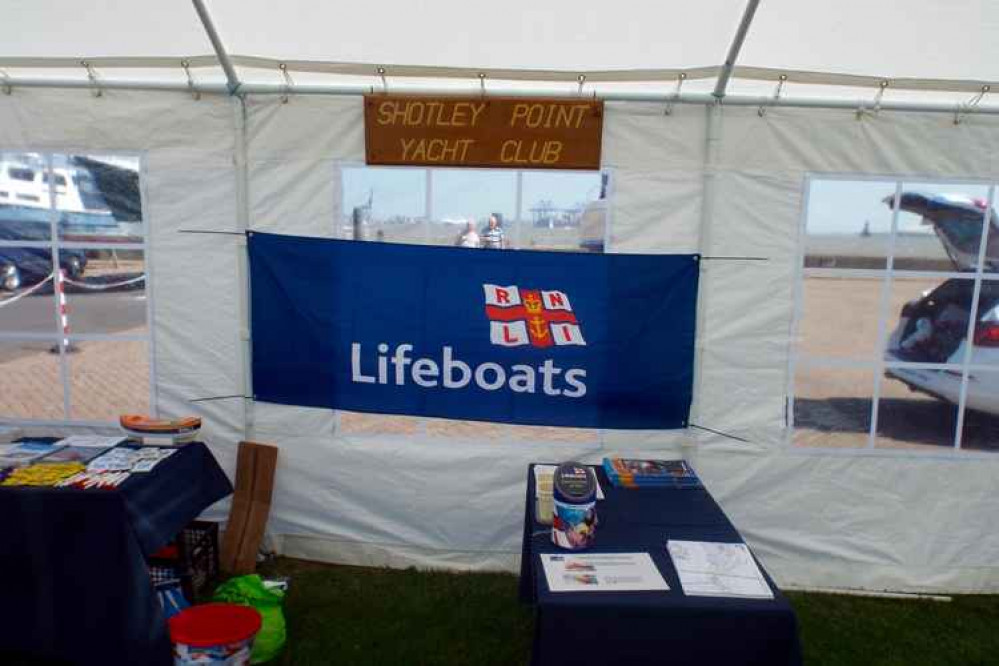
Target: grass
(388,617)
(841,630)
(368,617)
(348,615)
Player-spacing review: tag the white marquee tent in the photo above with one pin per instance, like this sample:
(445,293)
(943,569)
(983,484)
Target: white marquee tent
(705,158)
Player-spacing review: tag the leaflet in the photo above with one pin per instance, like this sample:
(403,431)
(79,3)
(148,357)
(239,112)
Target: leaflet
(718,570)
(94,441)
(602,572)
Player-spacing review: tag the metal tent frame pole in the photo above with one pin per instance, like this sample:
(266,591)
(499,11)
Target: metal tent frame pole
(733,51)
(730,99)
(223,55)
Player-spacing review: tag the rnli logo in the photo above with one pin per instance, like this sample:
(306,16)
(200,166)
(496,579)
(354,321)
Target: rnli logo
(536,317)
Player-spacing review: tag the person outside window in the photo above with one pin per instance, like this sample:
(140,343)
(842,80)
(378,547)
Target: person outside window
(469,237)
(492,236)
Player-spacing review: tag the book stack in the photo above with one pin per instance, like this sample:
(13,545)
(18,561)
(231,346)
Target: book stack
(631,473)
(26,452)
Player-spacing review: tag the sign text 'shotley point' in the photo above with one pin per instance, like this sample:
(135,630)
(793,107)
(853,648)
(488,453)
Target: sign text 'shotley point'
(432,114)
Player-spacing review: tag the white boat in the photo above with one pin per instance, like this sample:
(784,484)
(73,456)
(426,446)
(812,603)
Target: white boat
(25,200)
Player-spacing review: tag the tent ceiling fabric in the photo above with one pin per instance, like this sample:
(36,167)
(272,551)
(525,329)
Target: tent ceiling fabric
(933,45)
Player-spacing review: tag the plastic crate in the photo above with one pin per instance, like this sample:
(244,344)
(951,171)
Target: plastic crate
(192,558)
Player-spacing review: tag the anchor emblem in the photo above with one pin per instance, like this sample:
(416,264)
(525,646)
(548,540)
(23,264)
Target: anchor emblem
(539,327)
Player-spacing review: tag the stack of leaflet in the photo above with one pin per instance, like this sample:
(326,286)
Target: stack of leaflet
(82,448)
(631,473)
(113,467)
(26,452)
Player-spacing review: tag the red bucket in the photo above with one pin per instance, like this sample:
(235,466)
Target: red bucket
(214,634)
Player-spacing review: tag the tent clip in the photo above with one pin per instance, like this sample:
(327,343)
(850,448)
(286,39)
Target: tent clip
(92,76)
(381,72)
(8,87)
(288,83)
(781,80)
(675,97)
(582,80)
(482,83)
(195,93)
(969,107)
(876,108)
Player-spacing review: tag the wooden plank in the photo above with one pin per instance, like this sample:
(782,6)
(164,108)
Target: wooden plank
(239,510)
(265,464)
(506,132)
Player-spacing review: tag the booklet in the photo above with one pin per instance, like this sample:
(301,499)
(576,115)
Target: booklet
(95,441)
(25,452)
(82,454)
(602,572)
(633,473)
(718,570)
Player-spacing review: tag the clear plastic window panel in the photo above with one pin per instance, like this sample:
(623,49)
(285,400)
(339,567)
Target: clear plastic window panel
(832,406)
(848,224)
(386,204)
(82,293)
(563,211)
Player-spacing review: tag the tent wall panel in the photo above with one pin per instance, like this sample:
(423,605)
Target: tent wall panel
(189,183)
(816,518)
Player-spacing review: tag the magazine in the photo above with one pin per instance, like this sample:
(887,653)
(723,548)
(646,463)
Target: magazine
(634,473)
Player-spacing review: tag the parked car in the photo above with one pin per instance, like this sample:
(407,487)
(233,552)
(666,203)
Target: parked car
(933,328)
(26,266)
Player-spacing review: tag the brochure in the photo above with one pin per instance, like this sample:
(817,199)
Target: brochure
(82,454)
(25,452)
(93,441)
(602,572)
(718,570)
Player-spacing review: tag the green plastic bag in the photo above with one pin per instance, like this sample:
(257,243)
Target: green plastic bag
(250,591)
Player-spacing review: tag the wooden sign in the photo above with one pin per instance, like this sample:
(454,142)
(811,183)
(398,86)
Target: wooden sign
(506,132)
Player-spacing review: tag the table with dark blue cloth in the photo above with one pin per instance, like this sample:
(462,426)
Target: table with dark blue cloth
(652,627)
(74,584)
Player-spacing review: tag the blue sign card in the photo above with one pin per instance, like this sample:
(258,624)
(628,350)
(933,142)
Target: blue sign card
(538,338)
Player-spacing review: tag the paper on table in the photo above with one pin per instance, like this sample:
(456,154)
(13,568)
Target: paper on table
(91,440)
(602,572)
(544,475)
(718,570)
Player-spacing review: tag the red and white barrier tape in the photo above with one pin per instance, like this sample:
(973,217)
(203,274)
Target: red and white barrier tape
(100,287)
(26,292)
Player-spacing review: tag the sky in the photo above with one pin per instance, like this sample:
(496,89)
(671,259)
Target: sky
(843,206)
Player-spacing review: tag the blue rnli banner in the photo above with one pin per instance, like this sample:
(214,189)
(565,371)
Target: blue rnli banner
(540,338)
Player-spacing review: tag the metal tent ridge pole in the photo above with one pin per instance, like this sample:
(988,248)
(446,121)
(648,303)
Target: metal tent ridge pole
(730,99)
(733,51)
(223,55)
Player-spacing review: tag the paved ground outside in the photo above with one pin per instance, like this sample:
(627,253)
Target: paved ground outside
(106,378)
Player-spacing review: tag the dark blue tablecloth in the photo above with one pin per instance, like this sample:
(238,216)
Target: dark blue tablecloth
(625,628)
(74,586)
